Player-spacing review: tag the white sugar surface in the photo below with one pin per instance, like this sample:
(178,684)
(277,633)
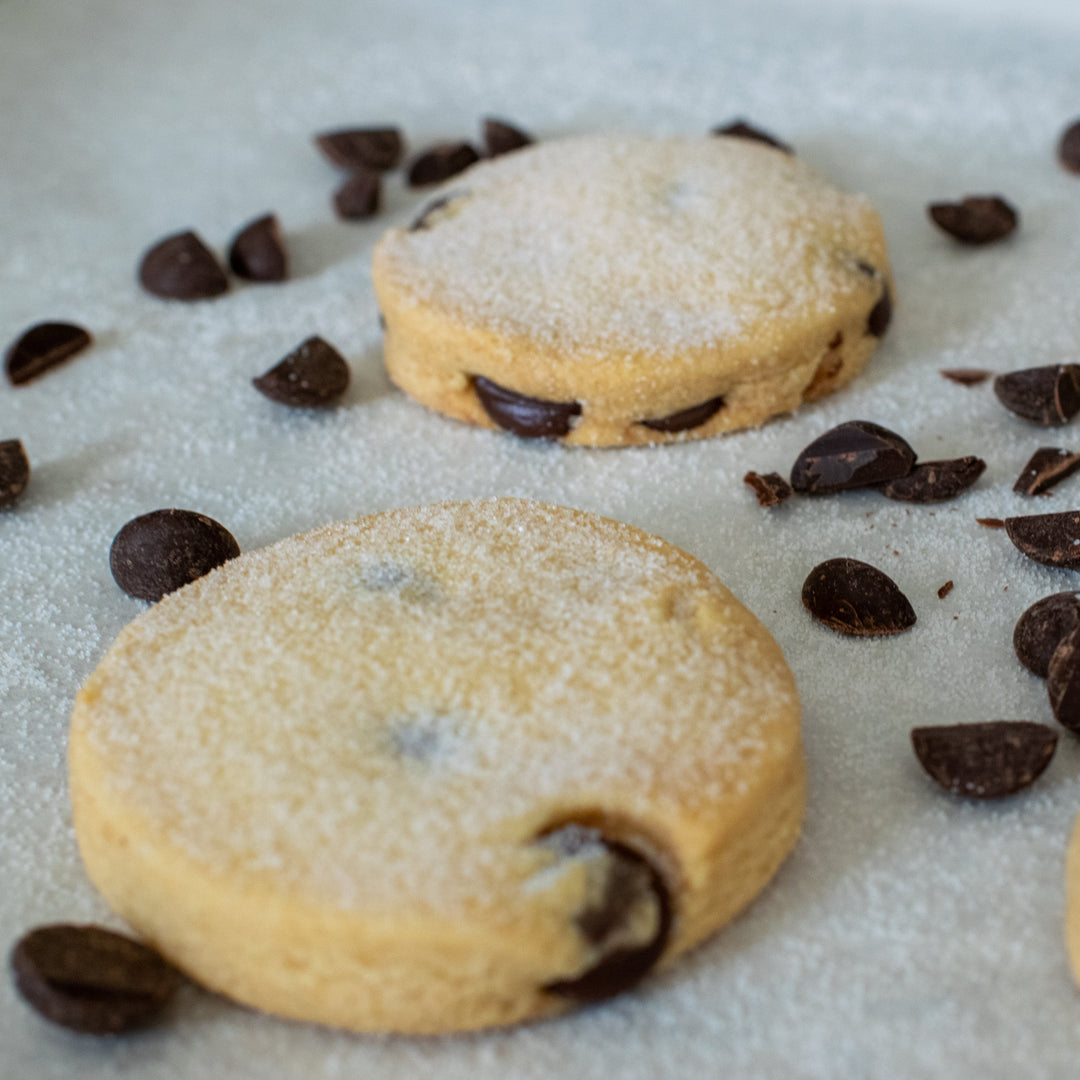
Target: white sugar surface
(909,935)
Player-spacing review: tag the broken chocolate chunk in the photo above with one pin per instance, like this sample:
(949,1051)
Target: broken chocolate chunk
(686,419)
(770,489)
(362,148)
(856,599)
(313,374)
(501,137)
(42,347)
(1063,681)
(965,376)
(935,481)
(1069,147)
(441,162)
(851,455)
(358,198)
(531,418)
(257,252)
(1047,396)
(979,219)
(945,590)
(14,470)
(1049,465)
(740,129)
(1050,539)
(1040,629)
(182,267)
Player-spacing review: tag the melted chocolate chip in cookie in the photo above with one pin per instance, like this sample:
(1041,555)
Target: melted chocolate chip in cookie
(686,419)
(740,129)
(531,418)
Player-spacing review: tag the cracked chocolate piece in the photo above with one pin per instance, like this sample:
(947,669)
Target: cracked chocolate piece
(935,481)
(1048,396)
(978,219)
(14,470)
(857,599)
(182,267)
(740,129)
(501,137)
(257,252)
(531,418)
(1039,630)
(441,162)
(313,374)
(851,455)
(1050,539)
(43,347)
(362,148)
(771,489)
(686,419)
(1049,465)
(1063,681)
(358,198)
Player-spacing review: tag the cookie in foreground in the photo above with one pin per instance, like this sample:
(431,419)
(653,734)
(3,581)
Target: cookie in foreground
(615,290)
(439,768)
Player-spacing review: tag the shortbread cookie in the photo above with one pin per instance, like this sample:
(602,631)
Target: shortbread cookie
(439,768)
(614,290)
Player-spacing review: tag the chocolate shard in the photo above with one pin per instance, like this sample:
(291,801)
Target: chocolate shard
(440,162)
(935,481)
(854,454)
(965,376)
(978,219)
(856,599)
(1069,147)
(531,418)
(14,470)
(1048,396)
(92,980)
(157,553)
(501,137)
(358,198)
(1049,465)
(740,129)
(1050,539)
(41,347)
(257,252)
(987,760)
(686,419)
(771,489)
(1042,627)
(313,374)
(990,523)
(182,267)
(1063,681)
(378,148)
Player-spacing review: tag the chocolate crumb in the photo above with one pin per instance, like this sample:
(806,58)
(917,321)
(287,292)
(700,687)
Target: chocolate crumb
(945,590)
(990,523)
(771,489)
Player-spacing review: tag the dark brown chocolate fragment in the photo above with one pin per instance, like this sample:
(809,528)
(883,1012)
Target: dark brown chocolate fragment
(1063,681)
(990,523)
(857,599)
(979,219)
(1050,539)
(855,454)
(770,489)
(89,979)
(1047,396)
(156,553)
(987,760)
(1040,629)
(501,137)
(358,197)
(182,267)
(362,148)
(1049,465)
(965,376)
(740,129)
(1069,147)
(945,590)
(14,470)
(257,252)
(441,162)
(42,347)
(313,374)
(880,316)
(686,419)
(935,481)
(531,418)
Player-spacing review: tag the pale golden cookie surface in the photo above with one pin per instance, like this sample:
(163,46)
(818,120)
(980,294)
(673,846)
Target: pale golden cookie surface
(341,778)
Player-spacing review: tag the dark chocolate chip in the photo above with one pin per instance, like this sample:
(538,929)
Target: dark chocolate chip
(1069,147)
(1047,396)
(979,219)
(42,347)
(1039,630)
(686,419)
(159,552)
(990,523)
(857,599)
(877,322)
(965,376)
(90,979)
(770,489)
(313,374)
(935,481)
(358,197)
(1049,465)
(501,137)
(257,252)
(945,590)
(362,148)
(1063,681)
(1050,539)
(986,760)
(740,129)
(528,417)
(182,267)
(14,470)
(855,454)
(441,162)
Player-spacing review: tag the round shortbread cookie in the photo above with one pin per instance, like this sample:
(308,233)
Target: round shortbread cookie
(613,290)
(439,768)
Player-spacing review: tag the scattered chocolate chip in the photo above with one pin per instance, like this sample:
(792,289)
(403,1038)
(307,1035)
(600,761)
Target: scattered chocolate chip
(1069,148)
(257,252)
(770,489)
(686,419)
(314,373)
(740,129)
(990,523)
(965,376)
(14,471)
(501,137)
(42,347)
(945,590)
(986,760)
(528,417)
(1063,681)
(855,454)
(182,267)
(159,552)
(362,148)
(880,316)
(1050,539)
(1047,396)
(1039,630)
(90,979)
(935,481)
(358,197)
(857,599)
(979,219)
(441,162)
(1049,465)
